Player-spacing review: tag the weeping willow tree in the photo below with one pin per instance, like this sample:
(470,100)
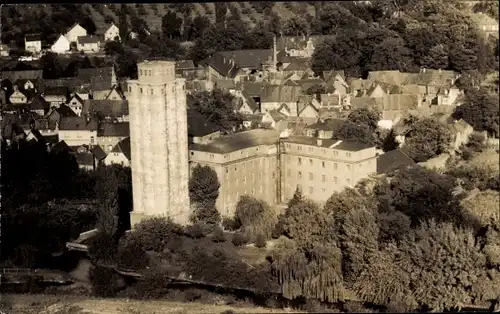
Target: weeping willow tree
(313,274)
(255,216)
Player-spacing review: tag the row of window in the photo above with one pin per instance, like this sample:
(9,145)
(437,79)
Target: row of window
(249,163)
(323,150)
(237,195)
(311,189)
(311,177)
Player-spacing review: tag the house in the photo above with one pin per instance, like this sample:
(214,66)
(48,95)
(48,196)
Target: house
(28,85)
(300,46)
(13,76)
(56,95)
(77,131)
(49,125)
(114,93)
(100,79)
(116,110)
(239,65)
(33,43)
(309,83)
(4,50)
(110,32)
(186,69)
(18,97)
(38,105)
(83,91)
(244,103)
(325,129)
(85,160)
(61,45)
(273,96)
(335,82)
(459,129)
(200,130)
(393,160)
(76,104)
(99,155)
(120,154)
(271,119)
(88,44)
(110,134)
(309,112)
(305,100)
(74,32)
(448,96)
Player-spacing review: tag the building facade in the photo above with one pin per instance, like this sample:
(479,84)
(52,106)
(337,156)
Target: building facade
(159,146)
(320,167)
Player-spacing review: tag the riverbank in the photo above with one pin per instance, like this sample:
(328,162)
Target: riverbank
(58,304)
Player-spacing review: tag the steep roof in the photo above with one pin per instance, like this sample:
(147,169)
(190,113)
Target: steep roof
(395,159)
(69,82)
(89,39)
(55,91)
(434,77)
(184,64)
(61,146)
(98,74)
(98,153)
(251,58)
(84,159)
(77,124)
(198,125)
(238,141)
(123,147)
(65,111)
(329,75)
(222,65)
(225,84)
(297,64)
(327,125)
(277,116)
(114,129)
(308,83)
(250,101)
(107,107)
(400,102)
(39,103)
(389,77)
(13,76)
(280,93)
(32,37)
(253,89)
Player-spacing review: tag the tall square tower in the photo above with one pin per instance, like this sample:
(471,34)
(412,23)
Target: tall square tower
(159,143)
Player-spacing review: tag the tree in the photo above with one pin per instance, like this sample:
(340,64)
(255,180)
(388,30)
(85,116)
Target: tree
(203,192)
(52,69)
(427,139)
(171,25)
(365,116)
(296,26)
(350,131)
(123,23)
(390,54)
(484,207)
(480,110)
(297,198)
(113,47)
(220,12)
(199,25)
(389,142)
(255,216)
(217,107)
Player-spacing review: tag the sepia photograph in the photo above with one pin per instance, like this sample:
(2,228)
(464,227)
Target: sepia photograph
(250,157)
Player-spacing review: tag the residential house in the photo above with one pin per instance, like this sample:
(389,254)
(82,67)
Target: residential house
(448,96)
(74,32)
(88,44)
(13,76)
(226,85)
(335,82)
(18,97)
(120,154)
(358,86)
(114,93)
(4,50)
(325,129)
(61,45)
(113,110)
(85,160)
(77,131)
(320,167)
(305,101)
(295,69)
(49,125)
(244,103)
(460,129)
(239,65)
(272,119)
(393,160)
(110,32)
(82,91)
(38,105)
(56,95)
(300,46)
(99,155)
(309,112)
(33,43)
(234,158)
(308,83)
(252,89)
(200,130)
(273,96)
(27,85)
(76,103)
(110,134)
(186,69)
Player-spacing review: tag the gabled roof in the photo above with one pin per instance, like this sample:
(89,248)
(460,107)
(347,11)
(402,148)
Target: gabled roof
(303,101)
(327,125)
(304,108)
(77,124)
(39,103)
(225,84)
(106,107)
(222,65)
(184,64)
(61,146)
(283,106)
(399,102)
(89,39)
(250,101)
(98,74)
(389,77)
(198,125)
(253,89)
(395,159)
(32,37)
(78,98)
(65,111)
(434,77)
(123,147)
(238,141)
(329,75)
(121,129)
(250,58)
(84,159)
(308,83)
(331,100)
(104,28)
(55,91)
(98,153)
(297,64)
(73,26)
(280,93)
(277,116)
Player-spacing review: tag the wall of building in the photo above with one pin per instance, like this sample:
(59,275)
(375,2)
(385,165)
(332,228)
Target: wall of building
(117,159)
(78,138)
(107,143)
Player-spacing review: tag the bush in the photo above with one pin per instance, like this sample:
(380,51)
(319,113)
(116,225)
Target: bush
(154,285)
(278,229)
(105,281)
(231,224)
(228,312)
(132,256)
(103,248)
(199,230)
(153,233)
(255,216)
(260,241)
(467,153)
(218,235)
(239,239)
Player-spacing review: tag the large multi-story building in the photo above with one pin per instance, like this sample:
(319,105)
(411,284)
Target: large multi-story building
(260,164)
(246,163)
(320,167)
(159,142)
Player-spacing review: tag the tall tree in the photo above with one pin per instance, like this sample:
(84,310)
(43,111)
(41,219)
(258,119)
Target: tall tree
(203,193)
(427,139)
(171,25)
(123,24)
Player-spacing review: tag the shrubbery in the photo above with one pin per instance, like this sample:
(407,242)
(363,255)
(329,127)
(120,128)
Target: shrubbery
(153,233)
(131,255)
(231,224)
(260,241)
(105,281)
(218,235)
(255,216)
(239,239)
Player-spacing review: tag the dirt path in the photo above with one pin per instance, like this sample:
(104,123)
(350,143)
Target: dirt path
(63,304)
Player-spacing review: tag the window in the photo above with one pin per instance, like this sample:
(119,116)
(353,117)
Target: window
(140,90)
(310,162)
(300,174)
(289,172)
(323,164)
(299,147)
(92,140)
(299,161)
(211,156)
(335,153)
(323,178)
(311,190)
(149,72)
(311,149)
(140,72)
(335,180)
(227,169)
(348,155)
(335,166)
(348,181)
(348,167)
(311,176)
(151,91)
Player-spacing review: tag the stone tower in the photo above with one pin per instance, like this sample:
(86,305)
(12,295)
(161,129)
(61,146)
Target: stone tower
(159,145)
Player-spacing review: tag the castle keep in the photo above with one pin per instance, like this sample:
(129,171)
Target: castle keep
(159,143)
